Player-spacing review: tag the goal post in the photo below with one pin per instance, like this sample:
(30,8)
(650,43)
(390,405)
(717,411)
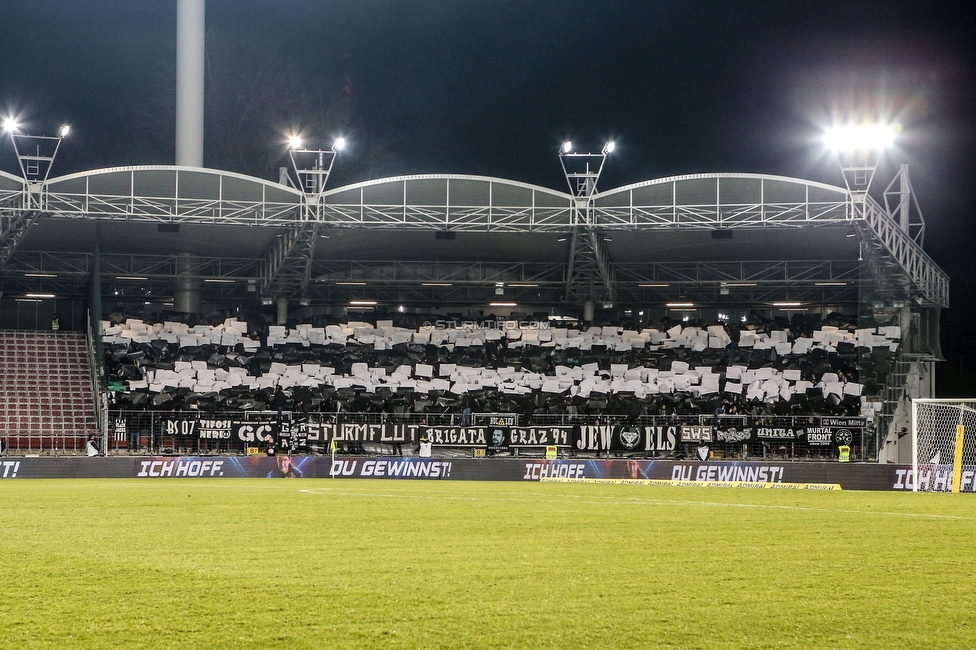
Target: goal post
(944,445)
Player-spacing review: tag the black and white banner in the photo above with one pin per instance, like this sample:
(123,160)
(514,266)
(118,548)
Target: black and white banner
(732,435)
(626,438)
(539,436)
(833,431)
(696,433)
(778,433)
(819,436)
(845,431)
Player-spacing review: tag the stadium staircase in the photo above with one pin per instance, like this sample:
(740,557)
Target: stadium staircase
(47,404)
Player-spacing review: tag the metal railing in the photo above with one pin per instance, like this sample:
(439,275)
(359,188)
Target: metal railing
(95,374)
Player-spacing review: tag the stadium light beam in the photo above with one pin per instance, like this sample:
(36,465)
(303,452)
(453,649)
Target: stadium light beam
(64,130)
(875,137)
(295,142)
(10,125)
(567,147)
(339,144)
(858,148)
(609,147)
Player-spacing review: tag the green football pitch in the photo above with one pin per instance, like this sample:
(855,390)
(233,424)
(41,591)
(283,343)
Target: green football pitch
(372,564)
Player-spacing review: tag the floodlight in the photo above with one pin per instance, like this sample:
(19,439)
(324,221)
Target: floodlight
(860,138)
(609,147)
(567,146)
(64,130)
(339,144)
(295,142)
(10,125)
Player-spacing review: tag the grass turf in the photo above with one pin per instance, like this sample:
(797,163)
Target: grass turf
(332,563)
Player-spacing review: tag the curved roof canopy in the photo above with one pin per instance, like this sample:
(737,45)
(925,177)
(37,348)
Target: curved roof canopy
(204,198)
(722,201)
(172,195)
(448,202)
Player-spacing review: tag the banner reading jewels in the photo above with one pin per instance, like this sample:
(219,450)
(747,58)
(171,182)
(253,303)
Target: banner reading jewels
(626,438)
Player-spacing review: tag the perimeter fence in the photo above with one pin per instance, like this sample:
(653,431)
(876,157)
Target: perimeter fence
(491,434)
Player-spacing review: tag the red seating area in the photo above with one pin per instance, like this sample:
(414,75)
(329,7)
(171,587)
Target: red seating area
(46,401)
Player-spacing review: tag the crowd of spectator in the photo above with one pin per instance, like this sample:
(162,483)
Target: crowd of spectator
(801,367)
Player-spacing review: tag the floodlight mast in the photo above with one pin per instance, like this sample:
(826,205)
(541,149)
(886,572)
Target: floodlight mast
(582,170)
(35,153)
(588,264)
(313,166)
(858,150)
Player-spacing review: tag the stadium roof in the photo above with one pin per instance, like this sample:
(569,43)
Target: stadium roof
(733,228)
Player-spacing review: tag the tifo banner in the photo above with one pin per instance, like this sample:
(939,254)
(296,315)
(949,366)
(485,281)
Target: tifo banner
(626,438)
(731,435)
(844,431)
(822,432)
(480,436)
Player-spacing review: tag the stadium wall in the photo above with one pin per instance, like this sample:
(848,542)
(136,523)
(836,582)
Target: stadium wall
(854,476)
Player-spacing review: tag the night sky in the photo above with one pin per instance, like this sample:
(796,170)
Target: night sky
(494,86)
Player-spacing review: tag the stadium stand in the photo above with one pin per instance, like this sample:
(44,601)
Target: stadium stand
(48,404)
(804,367)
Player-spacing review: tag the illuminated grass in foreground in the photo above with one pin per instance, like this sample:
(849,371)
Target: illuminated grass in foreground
(332,563)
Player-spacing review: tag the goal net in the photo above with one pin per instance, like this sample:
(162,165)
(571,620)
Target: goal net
(944,445)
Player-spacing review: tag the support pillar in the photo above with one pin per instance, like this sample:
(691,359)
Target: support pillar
(588,311)
(186,287)
(282,311)
(190,39)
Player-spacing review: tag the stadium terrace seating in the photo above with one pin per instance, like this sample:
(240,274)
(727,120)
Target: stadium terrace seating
(47,395)
(609,369)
